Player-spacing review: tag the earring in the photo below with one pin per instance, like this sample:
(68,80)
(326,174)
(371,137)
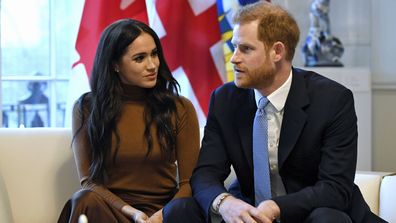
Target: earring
(116,70)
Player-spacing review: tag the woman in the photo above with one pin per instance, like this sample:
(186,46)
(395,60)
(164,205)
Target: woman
(130,130)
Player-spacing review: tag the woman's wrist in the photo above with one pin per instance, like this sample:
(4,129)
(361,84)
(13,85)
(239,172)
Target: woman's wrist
(135,214)
(129,211)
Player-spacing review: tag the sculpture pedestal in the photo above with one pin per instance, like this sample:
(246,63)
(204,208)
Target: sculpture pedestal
(358,80)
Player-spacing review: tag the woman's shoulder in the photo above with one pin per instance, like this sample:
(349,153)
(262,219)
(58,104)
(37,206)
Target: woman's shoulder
(184,103)
(83,103)
(186,114)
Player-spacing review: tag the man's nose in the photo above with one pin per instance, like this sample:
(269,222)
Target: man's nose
(235,58)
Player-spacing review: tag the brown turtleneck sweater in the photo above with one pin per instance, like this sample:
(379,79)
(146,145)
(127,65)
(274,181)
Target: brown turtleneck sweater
(146,183)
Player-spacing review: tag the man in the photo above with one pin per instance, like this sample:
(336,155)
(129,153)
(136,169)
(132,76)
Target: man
(309,142)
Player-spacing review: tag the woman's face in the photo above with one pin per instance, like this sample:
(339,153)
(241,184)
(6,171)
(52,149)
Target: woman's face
(139,65)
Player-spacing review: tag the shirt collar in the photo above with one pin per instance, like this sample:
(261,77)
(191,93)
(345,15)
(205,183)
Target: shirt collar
(279,96)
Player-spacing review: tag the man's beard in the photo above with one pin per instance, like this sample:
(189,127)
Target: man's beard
(264,76)
(258,78)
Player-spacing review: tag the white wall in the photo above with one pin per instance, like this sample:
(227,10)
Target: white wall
(383,43)
(384,130)
(383,53)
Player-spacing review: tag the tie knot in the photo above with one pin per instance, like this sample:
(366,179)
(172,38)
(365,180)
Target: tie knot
(262,102)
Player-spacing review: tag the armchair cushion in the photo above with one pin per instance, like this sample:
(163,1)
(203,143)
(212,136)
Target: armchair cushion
(387,207)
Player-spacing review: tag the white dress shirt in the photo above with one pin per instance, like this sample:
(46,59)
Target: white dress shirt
(275,110)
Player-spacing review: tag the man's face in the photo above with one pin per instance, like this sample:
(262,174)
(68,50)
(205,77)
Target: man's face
(253,67)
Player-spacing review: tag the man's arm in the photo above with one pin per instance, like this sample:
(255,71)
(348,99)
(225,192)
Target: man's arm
(213,165)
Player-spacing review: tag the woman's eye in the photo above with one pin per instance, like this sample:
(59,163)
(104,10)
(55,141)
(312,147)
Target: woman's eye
(154,53)
(138,59)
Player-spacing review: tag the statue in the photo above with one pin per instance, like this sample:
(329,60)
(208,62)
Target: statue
(320,47)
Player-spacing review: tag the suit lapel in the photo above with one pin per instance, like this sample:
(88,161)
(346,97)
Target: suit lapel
(294,117)
(245,108)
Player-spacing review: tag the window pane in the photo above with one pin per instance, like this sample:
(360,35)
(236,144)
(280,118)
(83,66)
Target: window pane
(25,37)
(25,103)
(64,42)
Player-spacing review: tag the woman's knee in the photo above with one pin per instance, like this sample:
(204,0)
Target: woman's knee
(84,198)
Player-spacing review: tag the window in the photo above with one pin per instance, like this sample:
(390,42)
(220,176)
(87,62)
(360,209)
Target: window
(36,58)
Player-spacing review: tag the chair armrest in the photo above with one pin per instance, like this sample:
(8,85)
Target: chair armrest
(387,206)
(369,183)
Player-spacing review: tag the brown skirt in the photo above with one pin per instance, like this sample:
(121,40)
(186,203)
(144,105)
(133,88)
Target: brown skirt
(93,206)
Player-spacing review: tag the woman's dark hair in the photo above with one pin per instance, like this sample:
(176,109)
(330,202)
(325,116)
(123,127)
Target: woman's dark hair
(104,104)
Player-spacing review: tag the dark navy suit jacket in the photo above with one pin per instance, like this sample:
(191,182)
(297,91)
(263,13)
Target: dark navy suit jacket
(316,155)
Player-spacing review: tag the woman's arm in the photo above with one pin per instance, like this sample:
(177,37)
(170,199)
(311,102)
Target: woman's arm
(187,146)
(82,156)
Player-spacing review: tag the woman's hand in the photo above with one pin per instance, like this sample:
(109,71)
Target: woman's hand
(156,217)
(136,215)
(140,217)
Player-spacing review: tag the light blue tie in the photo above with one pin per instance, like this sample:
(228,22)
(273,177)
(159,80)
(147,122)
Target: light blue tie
(262,184)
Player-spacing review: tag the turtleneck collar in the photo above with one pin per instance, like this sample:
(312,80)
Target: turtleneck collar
(133,93)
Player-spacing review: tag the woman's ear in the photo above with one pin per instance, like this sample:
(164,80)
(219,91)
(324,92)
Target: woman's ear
(279,51)
(116,67)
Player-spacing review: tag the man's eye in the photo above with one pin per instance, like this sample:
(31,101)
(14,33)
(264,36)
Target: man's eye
(247,48)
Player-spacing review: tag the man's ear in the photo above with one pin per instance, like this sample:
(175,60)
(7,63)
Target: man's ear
(279,50)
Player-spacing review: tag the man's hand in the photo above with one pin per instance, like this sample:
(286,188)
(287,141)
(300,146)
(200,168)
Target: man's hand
(269,209)
(234,210)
